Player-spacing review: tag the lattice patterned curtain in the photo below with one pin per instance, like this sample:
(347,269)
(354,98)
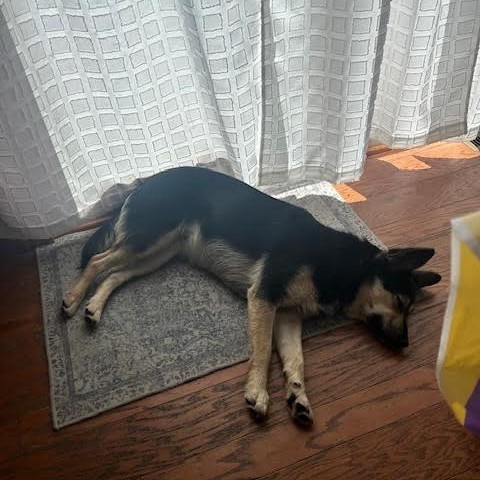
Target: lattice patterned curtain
(99,92)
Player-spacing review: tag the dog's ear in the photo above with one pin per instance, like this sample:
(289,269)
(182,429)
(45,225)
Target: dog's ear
(423,278)
(406,259)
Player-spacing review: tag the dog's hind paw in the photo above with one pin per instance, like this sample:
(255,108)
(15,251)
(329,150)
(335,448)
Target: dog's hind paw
(69,306)
(257,403)
(92,317)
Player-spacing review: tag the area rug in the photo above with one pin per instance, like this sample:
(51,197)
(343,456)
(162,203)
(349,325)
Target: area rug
(156,332)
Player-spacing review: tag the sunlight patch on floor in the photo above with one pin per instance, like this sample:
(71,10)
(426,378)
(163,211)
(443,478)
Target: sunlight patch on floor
(417,158)
(349,194)
(403,162)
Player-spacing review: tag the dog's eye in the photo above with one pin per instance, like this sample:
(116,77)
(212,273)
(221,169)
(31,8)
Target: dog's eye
(400,304)
(403,306)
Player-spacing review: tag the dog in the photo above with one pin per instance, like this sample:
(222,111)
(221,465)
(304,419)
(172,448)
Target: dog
(276,255)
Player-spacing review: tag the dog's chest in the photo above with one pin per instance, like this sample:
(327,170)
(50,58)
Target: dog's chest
(302,294)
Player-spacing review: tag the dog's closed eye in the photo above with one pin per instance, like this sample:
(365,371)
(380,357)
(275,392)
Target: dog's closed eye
(403,305)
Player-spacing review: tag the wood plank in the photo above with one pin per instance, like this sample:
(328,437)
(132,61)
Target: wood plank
(472,474)
(37,423)
(283,444)
(132,456)
(9,439)
(205,419)
(421,197)
(23,373)
(392,170)
(428,445)
(417,227)
(36,426)
(19,283)
(185,427)
(435,151)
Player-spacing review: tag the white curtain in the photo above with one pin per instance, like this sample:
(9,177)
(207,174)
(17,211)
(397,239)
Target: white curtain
(429,78)
(94,93)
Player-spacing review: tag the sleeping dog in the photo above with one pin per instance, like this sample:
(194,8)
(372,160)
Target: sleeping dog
(276,255)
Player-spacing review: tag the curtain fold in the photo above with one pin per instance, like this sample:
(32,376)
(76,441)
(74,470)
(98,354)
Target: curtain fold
(97,93)
(428,88)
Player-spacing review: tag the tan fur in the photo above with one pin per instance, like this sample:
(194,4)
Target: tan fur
(375,299)
(97,265)
(301,293)
(288,342)
(120,230)
(233,268)
(260,331)
(114,259)
(372,298)
(96,304)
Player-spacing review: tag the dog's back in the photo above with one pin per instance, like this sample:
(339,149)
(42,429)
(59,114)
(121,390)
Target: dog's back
(227,227)
(223,207)
(219,223)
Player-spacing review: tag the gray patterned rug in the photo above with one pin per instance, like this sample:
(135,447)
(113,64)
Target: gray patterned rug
(156,332)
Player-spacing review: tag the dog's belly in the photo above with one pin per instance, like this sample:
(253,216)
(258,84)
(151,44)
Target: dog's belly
(235,269)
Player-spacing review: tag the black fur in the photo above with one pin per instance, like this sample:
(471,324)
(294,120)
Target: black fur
(203,209)
(252,223)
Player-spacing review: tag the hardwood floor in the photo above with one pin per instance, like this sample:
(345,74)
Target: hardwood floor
(378,415)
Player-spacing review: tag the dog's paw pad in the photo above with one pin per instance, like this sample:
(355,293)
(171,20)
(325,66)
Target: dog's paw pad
(300,409)
(91,318)
(303,418)
(259,415)
(257,404)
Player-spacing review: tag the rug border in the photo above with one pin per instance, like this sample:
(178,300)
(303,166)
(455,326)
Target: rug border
(39,251)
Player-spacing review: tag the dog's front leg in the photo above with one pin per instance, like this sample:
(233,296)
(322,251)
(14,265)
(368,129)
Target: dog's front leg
(288,342)
(260,330)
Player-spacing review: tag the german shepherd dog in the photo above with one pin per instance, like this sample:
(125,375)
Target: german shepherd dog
(276,255)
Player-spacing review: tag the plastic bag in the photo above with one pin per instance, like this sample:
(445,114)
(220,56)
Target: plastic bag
(458,364)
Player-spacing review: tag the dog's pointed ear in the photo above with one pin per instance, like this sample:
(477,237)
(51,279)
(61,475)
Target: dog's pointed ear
(406,259)
(423,278)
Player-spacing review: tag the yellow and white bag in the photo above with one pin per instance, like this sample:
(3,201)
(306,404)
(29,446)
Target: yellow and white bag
(458,364)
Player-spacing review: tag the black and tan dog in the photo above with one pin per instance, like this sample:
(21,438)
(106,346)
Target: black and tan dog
(277,255)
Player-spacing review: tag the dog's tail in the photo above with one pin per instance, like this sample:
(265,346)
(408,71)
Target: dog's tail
(101,240)
(104,237)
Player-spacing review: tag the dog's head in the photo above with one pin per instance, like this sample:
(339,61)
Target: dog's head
(386,298)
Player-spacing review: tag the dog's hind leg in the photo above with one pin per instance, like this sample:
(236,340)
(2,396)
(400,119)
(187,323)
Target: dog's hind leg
(260,327)
(147,264)
(288,342)
(112,258)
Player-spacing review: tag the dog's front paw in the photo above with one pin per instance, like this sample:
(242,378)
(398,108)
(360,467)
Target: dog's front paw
(257,402)
(300,408)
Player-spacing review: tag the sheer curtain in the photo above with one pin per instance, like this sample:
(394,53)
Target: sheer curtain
(429,78)
(95,93)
